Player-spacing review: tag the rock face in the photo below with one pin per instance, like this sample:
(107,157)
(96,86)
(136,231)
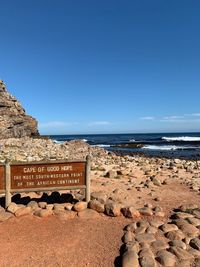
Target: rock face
(13,120)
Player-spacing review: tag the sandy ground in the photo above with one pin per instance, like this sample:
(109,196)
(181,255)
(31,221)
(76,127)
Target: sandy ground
(30,241)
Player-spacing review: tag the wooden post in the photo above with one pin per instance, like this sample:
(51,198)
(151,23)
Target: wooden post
(7,183)
(87,191)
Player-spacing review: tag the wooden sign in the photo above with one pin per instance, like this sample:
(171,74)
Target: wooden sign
(45,176)
(34,176)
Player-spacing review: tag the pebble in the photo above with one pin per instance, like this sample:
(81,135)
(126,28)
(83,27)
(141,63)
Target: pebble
(181,253)
(80,206)
(146,211)
(178,243)
(23,211)
(96,205)
(168,227)
(130,259)
(195,243)
(166,258)
(113,209)
(128,237)
(130,212)
(145,238)
(148,261)
(5,215)
(175,235)
(159,245)
(88,214)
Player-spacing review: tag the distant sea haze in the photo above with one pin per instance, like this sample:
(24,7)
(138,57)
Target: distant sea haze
(171,145)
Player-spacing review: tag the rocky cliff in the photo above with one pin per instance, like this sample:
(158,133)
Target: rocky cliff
(13,119)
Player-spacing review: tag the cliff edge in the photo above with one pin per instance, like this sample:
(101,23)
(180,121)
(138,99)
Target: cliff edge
(14,122)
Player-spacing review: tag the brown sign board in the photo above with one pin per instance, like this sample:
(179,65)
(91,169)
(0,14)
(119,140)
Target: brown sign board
(51,175)
(44,176)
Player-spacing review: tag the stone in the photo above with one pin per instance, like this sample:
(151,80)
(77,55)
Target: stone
(131,227)
(152,230)
(140,230)
(180,253)
(80,206)
(194,252)
(99,196)
(175,235)
(156,222)
(143,223)
(12,208)
(188,207)
(113,209)
(196,213)
(23,211)
(146,252)
(195,243)
(194,221)
(130,212)
(146,211)
(14,122)
(178,243)
(130,259)
(159,213)
(156,181)
(68,206)
(183,215)
(148,261)
(5,215)
(187,228)
(128,237)
(33,204)
(66,215)
(96,205)
(59,207)
(42,204)
(88,214)
(43,213)
(111,174)
(133,246)
(50,206)
(145,238)
(197,262)
(166,258)
(159,245)
(167,227)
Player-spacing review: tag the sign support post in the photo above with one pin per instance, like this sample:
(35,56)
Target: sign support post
(7,183)
(87,190)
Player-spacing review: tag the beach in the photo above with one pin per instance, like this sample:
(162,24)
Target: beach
(124,190)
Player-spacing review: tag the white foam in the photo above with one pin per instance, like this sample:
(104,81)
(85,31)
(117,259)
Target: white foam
(182,138)
(58,142)
(153,147)
(84,140)
(132,140)
(102,145)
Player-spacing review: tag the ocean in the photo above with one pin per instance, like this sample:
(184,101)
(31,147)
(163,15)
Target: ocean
(169,145)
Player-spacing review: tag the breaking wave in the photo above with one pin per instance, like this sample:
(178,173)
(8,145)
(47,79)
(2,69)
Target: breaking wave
(132,140)
(102,145)
(182,138)
(154,147)
(58,142)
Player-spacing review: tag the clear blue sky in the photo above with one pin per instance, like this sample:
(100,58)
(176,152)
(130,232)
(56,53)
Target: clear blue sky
(104,66)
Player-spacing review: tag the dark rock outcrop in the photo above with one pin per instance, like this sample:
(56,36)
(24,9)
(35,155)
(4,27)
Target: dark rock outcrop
(13,119)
